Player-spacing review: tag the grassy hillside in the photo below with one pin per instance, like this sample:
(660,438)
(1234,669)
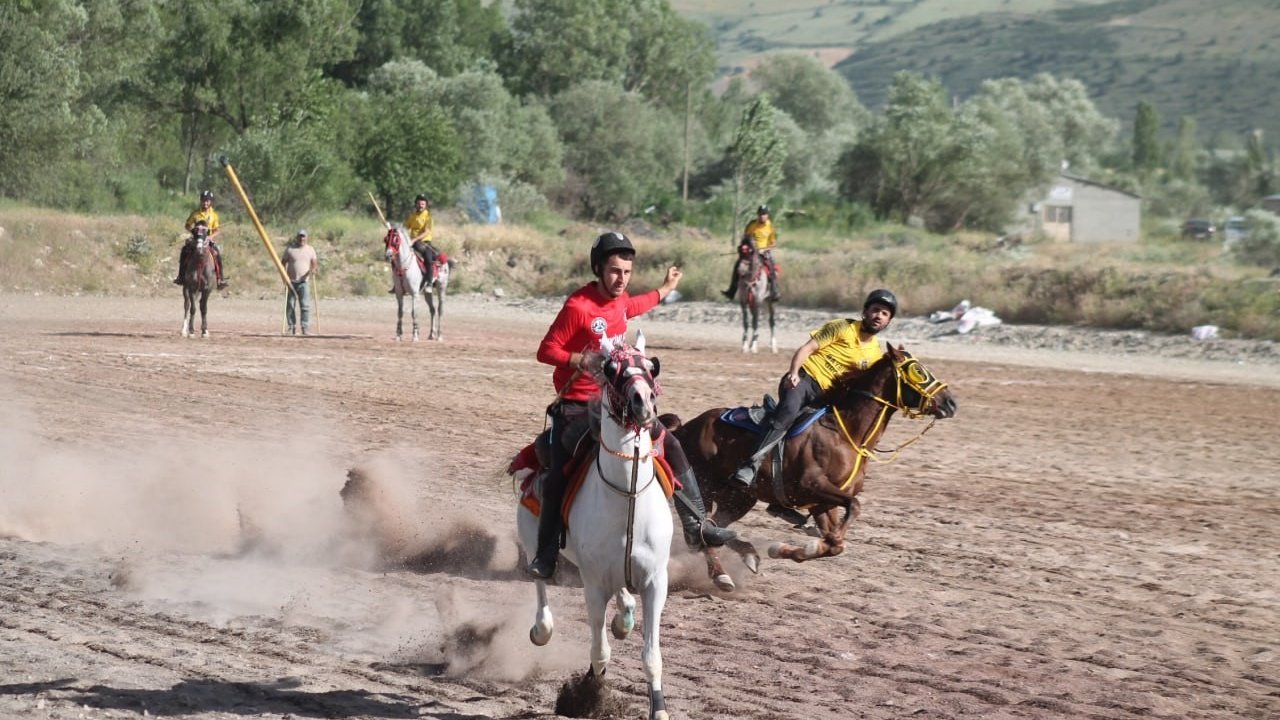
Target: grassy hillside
(1215,61)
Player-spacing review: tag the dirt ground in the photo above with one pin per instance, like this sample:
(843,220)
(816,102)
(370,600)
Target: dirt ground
(1091,537)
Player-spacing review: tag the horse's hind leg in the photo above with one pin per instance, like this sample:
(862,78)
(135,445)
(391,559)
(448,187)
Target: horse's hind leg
(716,571)
(543,623)
(624,616)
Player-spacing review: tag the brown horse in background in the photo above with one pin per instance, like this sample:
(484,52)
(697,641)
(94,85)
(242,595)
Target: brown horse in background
(197,282)
(823,468)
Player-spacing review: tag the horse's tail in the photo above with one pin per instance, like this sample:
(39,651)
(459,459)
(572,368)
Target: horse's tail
(670,421)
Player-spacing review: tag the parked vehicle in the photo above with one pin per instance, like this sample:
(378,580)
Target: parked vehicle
(1198,229)
(1234,230)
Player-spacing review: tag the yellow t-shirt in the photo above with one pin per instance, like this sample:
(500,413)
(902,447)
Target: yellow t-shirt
(210,217)
(763,233)
(839,351)
(418,223)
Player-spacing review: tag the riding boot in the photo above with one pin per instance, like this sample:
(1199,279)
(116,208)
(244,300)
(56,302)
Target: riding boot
(773,289)
(550,527)
(733,285)
(747,470)
(699,530)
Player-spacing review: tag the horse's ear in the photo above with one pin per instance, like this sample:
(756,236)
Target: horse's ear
(657,366)
(640,341)
(606,345)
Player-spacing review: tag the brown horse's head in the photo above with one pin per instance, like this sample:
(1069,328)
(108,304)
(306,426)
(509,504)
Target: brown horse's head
(900,381)
(628,382)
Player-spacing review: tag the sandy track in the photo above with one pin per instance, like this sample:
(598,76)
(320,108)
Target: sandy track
(1091,537)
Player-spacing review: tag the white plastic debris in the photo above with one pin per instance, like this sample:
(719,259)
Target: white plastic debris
(1204,332)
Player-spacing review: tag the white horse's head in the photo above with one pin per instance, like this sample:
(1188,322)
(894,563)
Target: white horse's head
(629,382)
(397,244)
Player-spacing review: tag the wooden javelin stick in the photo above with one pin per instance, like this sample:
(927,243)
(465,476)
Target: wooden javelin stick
(375,207)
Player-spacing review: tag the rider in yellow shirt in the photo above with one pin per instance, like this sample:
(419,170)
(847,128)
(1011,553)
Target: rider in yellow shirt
(762,236)
(419,226)
(833,350)
(210,217)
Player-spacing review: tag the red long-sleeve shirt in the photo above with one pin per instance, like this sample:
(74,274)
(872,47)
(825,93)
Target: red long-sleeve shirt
(587,314)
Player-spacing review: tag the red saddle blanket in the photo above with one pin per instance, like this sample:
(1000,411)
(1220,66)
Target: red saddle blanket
(527,460)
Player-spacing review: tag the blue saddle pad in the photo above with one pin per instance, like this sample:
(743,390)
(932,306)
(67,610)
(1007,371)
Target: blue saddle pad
(742,417)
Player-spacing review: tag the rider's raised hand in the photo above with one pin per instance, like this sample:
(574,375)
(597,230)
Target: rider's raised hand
(673,279)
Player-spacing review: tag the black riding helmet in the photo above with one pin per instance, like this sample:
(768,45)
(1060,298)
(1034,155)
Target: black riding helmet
(423,198)
(762,210)
(884,297)
(610,243)
(206,195)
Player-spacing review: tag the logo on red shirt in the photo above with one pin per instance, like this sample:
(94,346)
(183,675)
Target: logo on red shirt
(598,326)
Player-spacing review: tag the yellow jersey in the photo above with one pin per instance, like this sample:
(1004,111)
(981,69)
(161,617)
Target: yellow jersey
(419,224)
(210,218)
(763,233)
(840,350)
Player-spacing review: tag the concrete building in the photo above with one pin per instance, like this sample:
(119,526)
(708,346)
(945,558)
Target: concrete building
(1082,211)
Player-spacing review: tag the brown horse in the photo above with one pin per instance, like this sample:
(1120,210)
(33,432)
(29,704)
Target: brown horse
(823,467)
(197,283)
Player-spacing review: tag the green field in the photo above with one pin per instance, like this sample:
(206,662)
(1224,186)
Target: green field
(1215,61)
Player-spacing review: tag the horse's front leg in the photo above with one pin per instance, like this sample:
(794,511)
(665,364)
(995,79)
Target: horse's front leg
(399,314)
(413,311)
(831,542)
(655,597)
(624,616)
(746,328)
(188,313)
(543,623)
(716,571)
(773,337)
(597,604)
(204,313)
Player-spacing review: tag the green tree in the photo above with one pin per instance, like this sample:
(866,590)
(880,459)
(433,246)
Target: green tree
(448,36)
(1146,140)
(1182,154)
(642,45)
(39,87)
(817,98)
(757,156)
(409,152)
(618,151)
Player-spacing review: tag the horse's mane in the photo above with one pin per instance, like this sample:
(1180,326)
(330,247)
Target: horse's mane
(853,384)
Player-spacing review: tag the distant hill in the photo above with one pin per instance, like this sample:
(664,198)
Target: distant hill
(1216,60)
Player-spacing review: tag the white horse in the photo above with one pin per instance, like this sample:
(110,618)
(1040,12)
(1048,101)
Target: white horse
(753,291)
(435,298)
(406,277)
(619,528)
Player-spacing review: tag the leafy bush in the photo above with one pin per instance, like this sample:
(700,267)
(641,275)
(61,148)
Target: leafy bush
(1261,243)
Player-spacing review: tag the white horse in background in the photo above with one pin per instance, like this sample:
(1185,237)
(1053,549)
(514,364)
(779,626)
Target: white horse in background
(406,276)
(753,292)
(619,528)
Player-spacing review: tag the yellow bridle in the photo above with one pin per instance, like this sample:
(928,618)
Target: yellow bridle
(916,377)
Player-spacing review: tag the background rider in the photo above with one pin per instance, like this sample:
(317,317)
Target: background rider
(210,217)
(762,237)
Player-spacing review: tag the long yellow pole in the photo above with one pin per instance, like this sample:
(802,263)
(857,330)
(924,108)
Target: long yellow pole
(375,207)
(257,224)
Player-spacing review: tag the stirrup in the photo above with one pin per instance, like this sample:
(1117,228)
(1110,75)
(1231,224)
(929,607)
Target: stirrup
(746,475)
(542,570)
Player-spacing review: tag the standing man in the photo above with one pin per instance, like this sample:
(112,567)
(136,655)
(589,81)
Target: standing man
(210,217)
(835,349)
(419,226)
(300,264)
(603,307)
(761,235)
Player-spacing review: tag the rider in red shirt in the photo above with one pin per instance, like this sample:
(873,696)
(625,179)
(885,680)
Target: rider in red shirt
(597,308)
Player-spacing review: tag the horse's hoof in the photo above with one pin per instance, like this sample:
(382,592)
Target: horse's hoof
(204,334)
(622,625)
(661,715)
(776,550)
(752,562)
(539,638)
(724,582)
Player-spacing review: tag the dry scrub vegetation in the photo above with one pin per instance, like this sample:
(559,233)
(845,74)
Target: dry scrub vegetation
(1161,284)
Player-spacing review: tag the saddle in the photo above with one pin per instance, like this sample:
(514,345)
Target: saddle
(529,468)
(755,419)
